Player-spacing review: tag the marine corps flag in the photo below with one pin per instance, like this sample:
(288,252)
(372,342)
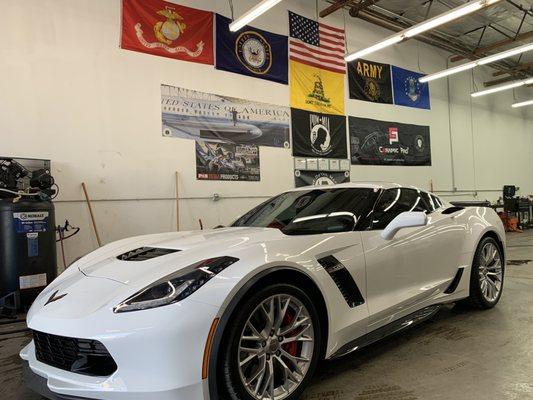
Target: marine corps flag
(252,52)
(317,66)
(167,29)
(370,81)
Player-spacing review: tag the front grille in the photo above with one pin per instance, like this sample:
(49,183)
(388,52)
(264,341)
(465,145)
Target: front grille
(145,253)
(82,356)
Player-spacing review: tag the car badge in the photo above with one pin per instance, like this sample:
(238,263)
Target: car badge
(54,297)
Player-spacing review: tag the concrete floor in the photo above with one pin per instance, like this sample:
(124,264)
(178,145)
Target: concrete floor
(460,354)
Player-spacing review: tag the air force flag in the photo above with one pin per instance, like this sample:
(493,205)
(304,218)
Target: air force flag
(251,52)
(408,91)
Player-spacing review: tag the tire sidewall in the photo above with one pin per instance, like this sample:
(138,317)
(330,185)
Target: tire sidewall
(231,380)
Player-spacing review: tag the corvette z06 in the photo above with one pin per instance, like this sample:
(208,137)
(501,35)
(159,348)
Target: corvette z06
(245,312)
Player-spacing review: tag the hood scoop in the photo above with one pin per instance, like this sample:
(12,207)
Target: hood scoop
(145,253)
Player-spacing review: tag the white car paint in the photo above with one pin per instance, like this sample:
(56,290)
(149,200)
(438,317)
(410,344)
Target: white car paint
(159,351)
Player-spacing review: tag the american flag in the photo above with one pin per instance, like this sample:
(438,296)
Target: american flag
(316,44)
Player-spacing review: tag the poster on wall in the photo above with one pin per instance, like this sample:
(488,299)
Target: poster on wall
(370,81)
(320,178)
(167,29)
(189,114)
(227,162)
(374,142)
(408,91)
(318,135)
(252,52)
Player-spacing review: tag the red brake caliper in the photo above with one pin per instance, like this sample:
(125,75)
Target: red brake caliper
(291,348)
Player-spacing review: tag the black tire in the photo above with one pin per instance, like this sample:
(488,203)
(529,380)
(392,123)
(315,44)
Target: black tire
(476,298)
(233,386)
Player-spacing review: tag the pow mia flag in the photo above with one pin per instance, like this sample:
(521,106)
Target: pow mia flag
(370,81)
(318,135)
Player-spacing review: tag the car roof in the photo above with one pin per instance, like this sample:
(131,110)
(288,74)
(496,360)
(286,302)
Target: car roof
(363,185)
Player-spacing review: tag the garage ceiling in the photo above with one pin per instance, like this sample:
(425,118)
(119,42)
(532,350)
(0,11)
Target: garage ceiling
(502,26)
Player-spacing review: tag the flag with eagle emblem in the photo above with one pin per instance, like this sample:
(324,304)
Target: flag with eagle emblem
(167,29)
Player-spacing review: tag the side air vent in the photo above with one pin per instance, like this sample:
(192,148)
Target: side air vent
(343,280)
(145,253)
(456,280)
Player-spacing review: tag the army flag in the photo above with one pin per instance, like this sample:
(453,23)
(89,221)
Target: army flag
(317,66)
(318,135)
(370,81)
(167,29)
(408,91)
(252,52)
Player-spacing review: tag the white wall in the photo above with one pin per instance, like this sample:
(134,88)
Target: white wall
(69,94)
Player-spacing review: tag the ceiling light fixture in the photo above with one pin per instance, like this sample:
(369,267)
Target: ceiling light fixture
(523,104)
(481,61)
(252,14)
(422,27)
(501,88)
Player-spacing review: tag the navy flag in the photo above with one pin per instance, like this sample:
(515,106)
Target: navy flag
(252,52)
(408,91)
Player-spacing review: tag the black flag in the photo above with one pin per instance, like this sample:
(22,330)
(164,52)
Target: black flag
(370,81)
(318,135)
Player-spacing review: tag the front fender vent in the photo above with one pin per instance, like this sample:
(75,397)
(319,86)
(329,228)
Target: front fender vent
(344,281)
(145,253)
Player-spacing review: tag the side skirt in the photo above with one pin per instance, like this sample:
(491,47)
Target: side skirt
(387,330)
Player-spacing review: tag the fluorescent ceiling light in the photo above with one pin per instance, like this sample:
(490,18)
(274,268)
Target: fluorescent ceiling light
(501,88)
(523,104)
(481,61)
(422,27)
(252,14)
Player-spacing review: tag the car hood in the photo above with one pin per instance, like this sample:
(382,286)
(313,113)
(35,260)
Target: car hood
(191,247)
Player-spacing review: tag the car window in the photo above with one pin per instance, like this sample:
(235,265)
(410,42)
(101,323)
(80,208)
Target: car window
(428,201)
(393,202)
(280,211)
(436,201)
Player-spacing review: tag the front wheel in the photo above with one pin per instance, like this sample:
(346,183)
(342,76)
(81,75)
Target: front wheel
(486,281)
(273,345)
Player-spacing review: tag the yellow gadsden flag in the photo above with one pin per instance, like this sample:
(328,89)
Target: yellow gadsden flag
(316,89)
(317,66)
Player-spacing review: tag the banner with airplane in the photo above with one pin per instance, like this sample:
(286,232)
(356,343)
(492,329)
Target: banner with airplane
(190,114)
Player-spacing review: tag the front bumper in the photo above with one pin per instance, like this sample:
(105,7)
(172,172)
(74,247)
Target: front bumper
(159,354)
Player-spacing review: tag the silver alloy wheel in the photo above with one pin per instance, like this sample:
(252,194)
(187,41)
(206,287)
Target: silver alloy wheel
(490,272)
(276,348)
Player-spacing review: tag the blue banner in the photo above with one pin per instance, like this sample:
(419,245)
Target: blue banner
(408,91)
(251,52)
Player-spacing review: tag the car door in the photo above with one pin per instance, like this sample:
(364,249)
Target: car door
(413,267)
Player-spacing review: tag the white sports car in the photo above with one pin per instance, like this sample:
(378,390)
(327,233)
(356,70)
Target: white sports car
(245,312)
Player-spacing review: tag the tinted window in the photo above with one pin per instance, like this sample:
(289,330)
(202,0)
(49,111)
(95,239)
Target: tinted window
(438,202)
(393,202)
(282,210)
(428,201)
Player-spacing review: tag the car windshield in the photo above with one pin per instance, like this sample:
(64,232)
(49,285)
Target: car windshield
(285,211)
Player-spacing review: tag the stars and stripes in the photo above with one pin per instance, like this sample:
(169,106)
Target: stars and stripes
(316,44)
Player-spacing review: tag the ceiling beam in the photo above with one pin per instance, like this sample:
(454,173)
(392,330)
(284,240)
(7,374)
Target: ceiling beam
(334,7)
(499,81)
(505,42)
(363,4)
(518,68)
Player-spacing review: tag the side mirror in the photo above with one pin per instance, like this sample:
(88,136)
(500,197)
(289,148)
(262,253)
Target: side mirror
(408,219)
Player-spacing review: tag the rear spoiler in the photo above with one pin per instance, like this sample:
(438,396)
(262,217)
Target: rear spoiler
(484,203)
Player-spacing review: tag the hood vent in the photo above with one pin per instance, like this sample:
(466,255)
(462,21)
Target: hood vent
(145,253)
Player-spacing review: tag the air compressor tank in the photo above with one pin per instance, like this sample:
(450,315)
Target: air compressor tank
(28,259)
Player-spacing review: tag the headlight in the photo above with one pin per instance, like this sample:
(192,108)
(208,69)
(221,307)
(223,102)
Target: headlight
(177,286)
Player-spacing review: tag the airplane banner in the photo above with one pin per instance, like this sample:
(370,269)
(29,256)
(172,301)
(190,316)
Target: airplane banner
(189,114)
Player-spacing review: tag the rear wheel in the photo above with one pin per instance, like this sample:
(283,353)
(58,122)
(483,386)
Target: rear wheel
(273,345)
(486,281)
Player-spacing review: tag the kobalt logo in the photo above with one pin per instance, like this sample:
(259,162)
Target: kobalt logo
(34,216)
